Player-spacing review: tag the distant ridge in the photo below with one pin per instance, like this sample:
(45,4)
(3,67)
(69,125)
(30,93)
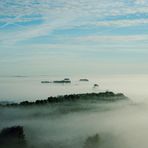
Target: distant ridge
(102,96)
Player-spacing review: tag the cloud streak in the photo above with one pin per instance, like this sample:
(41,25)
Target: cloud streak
(123,23)
(45,17)
(115,38)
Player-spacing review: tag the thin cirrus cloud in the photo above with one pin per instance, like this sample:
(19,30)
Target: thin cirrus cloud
(126,38)
(123,23)
(58,14)
(98,29)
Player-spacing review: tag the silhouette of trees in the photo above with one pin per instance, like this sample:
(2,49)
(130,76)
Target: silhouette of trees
(12,137)
(92,142)
(102,96)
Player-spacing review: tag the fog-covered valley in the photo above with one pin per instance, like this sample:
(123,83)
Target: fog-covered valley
(119,124)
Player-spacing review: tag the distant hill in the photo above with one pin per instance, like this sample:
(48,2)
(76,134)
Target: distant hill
(102,96)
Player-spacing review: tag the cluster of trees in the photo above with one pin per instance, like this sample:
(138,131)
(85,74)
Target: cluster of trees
(104,96)
(12,137)
(92,141)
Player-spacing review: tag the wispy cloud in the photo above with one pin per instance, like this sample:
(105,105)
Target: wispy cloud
(114,38)
(123,23)
(59,14)
(141,2)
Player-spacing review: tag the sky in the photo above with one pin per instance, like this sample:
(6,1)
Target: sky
(73,37)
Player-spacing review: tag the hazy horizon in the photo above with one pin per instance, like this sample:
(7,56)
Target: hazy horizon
(20,88)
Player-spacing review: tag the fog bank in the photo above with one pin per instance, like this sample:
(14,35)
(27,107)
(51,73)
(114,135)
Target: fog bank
(119,124)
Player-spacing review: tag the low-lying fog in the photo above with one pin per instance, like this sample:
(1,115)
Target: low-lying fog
(30,88)
(120,124)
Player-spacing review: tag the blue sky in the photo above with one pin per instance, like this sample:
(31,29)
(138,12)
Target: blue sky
(65,37)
